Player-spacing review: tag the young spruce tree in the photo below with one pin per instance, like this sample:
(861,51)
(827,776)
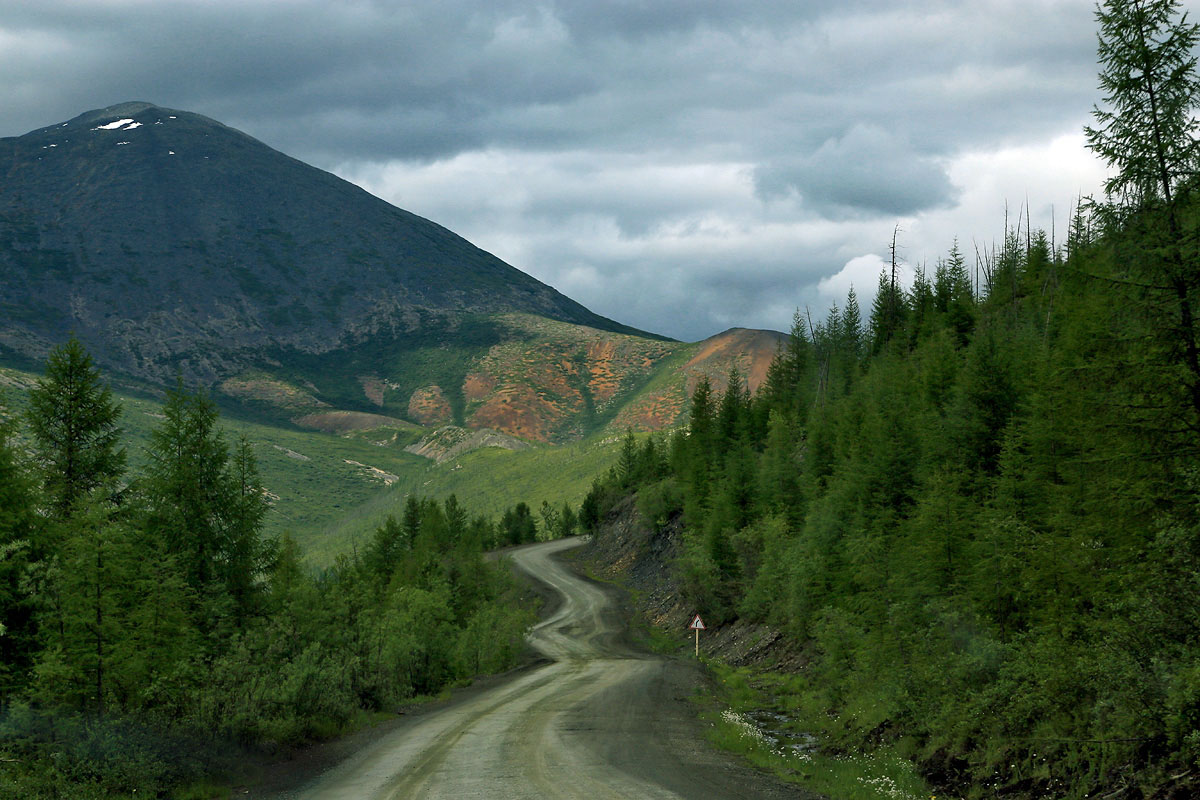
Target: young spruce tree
(73,419)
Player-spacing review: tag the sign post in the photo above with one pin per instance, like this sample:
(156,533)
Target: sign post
(697,625)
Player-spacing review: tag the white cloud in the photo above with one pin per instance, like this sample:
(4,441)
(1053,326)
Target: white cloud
(861,274)
(688,249)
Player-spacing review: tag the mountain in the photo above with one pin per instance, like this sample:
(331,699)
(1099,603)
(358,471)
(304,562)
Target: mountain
(169,241)
(171,244)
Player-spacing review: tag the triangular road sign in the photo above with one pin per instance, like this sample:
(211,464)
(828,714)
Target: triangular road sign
(697,624)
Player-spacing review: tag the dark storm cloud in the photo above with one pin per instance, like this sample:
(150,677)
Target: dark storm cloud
(739,145)
(429,80)
(866,170)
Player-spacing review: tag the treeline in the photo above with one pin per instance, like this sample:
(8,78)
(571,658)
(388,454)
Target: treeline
(977,511)
(148,629)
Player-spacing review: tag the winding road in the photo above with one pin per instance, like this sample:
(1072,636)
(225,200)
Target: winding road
(600,721)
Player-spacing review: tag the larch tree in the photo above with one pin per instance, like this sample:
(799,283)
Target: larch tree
(1148,73)
(74,422)
(1147,135)
(206,508)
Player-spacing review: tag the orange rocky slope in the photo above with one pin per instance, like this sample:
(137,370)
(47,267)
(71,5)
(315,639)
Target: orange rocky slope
(552,382)
(665,402)
(557,382)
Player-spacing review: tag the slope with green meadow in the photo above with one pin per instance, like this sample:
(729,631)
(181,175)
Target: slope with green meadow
(330,489)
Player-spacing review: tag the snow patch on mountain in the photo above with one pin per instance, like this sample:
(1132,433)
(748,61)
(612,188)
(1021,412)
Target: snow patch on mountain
(112,126)
(119,125)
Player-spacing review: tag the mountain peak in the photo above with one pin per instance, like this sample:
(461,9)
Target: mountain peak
(137,110)
(122,109)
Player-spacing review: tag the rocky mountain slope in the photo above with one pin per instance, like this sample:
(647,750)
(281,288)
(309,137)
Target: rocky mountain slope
(169,241)
(543,381)
(172,244)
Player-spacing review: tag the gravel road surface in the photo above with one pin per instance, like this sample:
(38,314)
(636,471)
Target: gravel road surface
(601,720)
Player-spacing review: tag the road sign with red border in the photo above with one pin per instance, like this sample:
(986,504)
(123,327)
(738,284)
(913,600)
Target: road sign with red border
(697,624)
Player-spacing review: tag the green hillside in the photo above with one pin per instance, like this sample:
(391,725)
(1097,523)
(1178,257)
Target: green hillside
(328,503)
(487,481)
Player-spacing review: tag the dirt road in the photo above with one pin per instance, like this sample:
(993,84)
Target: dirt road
(602,720)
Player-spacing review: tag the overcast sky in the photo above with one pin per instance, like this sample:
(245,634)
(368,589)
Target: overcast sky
(683,166)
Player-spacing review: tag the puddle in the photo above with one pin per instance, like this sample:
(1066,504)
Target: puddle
(774,729)
(777,728)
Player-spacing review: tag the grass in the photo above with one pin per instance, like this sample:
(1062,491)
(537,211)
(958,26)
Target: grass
(307,473)
(655,639)
(735,717)
(485,481)
(327,504)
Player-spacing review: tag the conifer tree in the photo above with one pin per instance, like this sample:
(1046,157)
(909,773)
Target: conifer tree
(732,411)
(922,302)
(518,526)
(589,508)
(92,584)
(780,469)
(567,519)
(185,483)
(1148,133)
(1148,136)
(701,436)
(852,328)
(627,461)
(387,545)
(247,556)
(794,394)
(953,296)
(701,422)
(456,519)
(411,521)
(74,422)
(888,313)
(205,510)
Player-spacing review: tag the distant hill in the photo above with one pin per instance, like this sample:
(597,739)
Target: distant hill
(172,244)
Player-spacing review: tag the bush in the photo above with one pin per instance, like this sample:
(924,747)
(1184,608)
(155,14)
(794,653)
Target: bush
(660,502)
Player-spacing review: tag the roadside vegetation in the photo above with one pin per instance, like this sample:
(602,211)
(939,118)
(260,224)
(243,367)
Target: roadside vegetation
(976,507)
(758,719)
(151,634)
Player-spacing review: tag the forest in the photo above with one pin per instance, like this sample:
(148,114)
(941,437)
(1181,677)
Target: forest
(974,508)
(151,636)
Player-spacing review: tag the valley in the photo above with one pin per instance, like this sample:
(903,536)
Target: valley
(543,417)
(601,719)
(367,354)
(328,488)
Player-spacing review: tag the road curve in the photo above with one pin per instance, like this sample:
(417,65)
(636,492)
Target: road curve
(600,721)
